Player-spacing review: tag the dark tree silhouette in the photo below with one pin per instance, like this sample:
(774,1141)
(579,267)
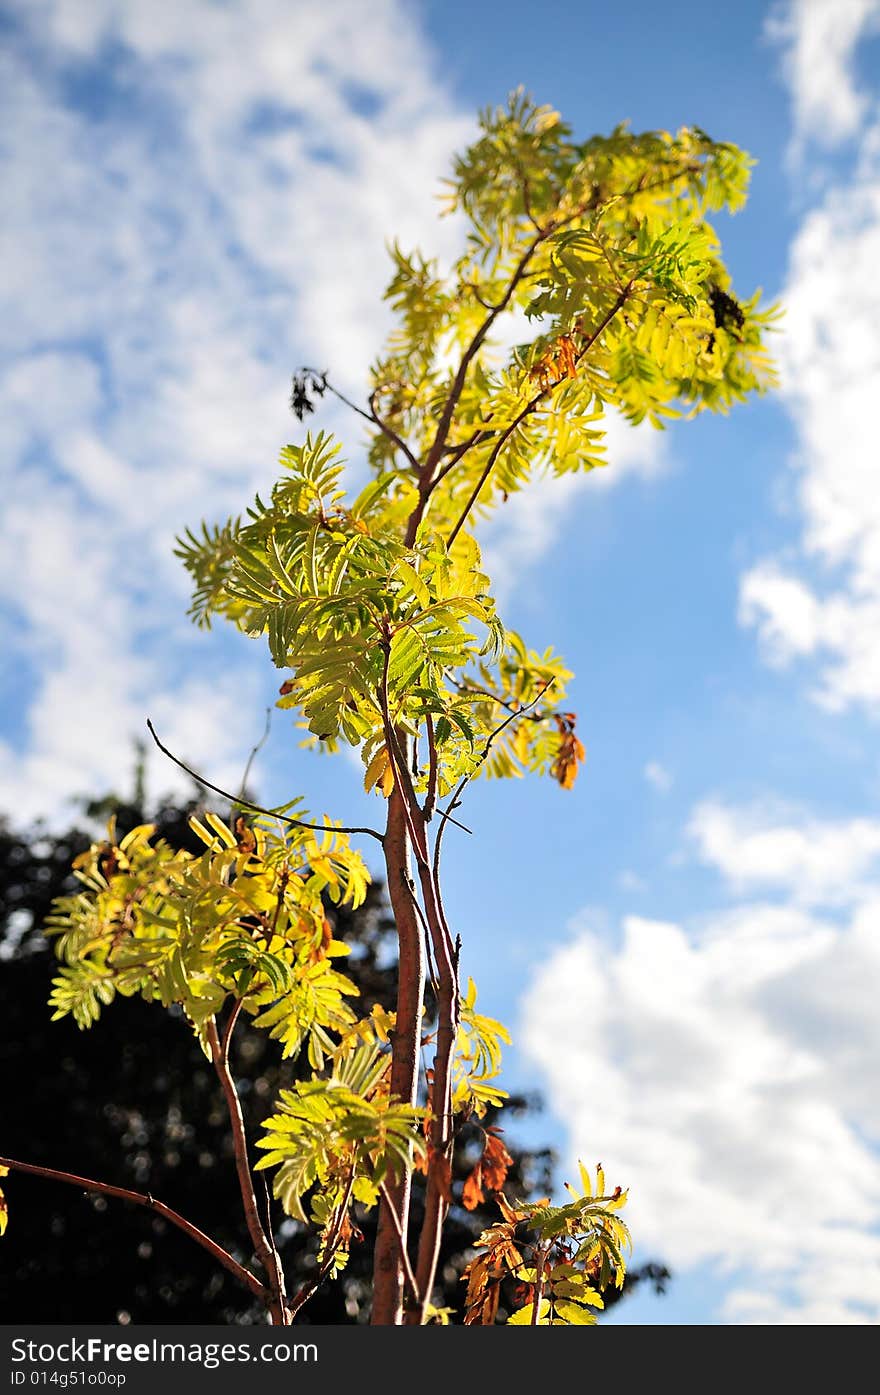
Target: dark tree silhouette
(133,1101)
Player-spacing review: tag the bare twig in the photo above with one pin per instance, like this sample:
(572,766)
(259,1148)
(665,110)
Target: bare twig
(445,814)
(404,1257)
(372,416)
(257,808)
(392,435)
(89,1184)
(253,755)
(259,1239)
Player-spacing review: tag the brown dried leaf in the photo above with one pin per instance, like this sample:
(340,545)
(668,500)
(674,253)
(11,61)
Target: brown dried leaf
(245,838)
(472,1192)
(495,1163)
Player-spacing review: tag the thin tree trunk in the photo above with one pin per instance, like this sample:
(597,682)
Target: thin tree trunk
(387,1264)
(441,1137)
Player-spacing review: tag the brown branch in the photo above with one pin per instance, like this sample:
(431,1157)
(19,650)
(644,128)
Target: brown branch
(404,1256)
(402,781)
(404,828)
(527,410)
(230,1028)
(436,1204)
(256,808)
(441,1138)
(392,434)
(519,272)
(395,1203)
(259,1239)
(431,796)
(447,1013)
(537,1296)
(303,1294)
(455,453)
(446,955)
(371,416)
(89,1184)
(473,348)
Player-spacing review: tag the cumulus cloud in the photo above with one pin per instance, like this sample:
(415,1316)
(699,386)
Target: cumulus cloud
(820,40)
(822,600)
(762,846)
(719,1072)
(196,198)
(826,602)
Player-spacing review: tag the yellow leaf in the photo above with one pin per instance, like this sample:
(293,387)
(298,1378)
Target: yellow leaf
(520,742)
(380,773)
(585,1180)
(523,1316)
(224,833)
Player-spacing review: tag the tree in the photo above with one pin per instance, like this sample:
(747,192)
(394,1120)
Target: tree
(379,613)
(161,1125)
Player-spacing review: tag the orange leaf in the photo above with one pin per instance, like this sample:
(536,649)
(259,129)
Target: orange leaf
(570,753)
(246,839)
(495,1163)
(320,950)
(472,1192)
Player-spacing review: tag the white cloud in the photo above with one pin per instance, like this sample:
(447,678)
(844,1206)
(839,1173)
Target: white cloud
(539,516)
(97,684)
(212,214)
(720,1073)
(763,846)
(822,600)
(658,776)
(820,38)
(215,212)
(784,610)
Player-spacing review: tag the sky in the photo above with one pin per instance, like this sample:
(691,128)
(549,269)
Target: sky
(197,198)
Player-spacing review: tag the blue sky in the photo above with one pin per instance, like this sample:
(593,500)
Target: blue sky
(687,945)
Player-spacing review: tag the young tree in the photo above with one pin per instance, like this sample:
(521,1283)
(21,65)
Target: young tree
(378,611)
(160,1116)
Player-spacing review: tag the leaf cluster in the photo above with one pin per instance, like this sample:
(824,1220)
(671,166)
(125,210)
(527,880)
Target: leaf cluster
(561,1257)
(243,921)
